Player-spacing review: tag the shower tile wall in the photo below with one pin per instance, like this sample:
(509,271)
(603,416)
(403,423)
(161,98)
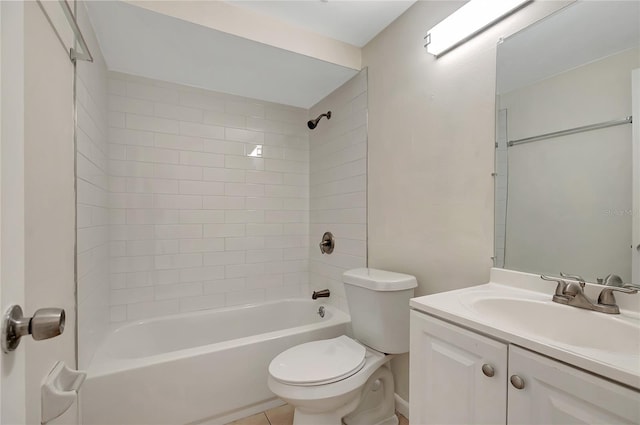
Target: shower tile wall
(92,197)
(209,199)
(338,186)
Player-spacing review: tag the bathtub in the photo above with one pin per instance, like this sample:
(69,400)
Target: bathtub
(207,367)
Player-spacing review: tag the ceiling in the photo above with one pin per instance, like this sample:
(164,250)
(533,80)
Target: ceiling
(143,42)
(355,22)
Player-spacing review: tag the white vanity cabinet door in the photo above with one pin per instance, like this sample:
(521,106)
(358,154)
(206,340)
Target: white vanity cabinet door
(447,384)
(555,393)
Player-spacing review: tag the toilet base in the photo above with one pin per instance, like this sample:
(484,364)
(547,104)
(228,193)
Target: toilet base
(373,405)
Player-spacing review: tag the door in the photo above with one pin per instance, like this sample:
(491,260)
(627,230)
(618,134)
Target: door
(635,245)
(457,376)
(37,199)
(555,393)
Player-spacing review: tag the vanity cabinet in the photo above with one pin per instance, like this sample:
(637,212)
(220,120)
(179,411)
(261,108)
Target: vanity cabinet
(459,376)
(447,382)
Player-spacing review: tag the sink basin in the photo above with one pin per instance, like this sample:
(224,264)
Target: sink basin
(560,324)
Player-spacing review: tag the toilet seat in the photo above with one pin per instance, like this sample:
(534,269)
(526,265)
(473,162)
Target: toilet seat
(318,362)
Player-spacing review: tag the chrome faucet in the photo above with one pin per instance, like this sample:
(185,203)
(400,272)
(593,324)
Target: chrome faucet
(570,291)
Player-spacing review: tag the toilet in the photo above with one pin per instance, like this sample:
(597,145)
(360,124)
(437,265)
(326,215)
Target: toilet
(345,379)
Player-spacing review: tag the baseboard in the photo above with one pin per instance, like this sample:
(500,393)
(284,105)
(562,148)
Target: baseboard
(402,406)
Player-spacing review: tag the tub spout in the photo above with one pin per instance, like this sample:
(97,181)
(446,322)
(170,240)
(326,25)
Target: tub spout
(320,294)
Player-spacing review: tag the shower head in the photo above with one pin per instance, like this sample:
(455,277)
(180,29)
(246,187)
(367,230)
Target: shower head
(314,123)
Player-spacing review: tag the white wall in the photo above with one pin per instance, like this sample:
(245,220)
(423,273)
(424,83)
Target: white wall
(92,196)
(338,185)
(569,206)
(431,148)
(196,222)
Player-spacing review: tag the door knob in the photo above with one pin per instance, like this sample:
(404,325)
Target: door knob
(46,323)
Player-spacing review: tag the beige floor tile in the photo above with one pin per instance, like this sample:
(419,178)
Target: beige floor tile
(259,419)
(282,415)
(402,420)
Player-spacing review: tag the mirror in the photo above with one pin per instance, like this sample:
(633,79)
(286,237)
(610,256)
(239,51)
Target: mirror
(563,190)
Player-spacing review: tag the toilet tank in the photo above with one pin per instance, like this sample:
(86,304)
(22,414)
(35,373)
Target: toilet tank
(379,307)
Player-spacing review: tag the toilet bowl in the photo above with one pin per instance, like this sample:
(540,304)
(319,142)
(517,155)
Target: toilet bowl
(340,376)
(349,380)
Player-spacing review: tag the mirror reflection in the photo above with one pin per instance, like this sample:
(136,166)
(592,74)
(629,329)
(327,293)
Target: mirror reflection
(565,145)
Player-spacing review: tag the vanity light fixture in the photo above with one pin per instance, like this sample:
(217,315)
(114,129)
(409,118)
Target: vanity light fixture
(468,21)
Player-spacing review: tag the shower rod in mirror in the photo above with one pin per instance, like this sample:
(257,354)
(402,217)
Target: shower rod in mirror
(606,124)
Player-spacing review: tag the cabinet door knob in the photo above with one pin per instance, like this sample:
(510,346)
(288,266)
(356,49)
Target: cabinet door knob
(488,370)
(517,382)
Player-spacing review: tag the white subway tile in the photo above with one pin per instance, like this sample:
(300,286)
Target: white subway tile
(201,245)
(265,281)
(223,258)
(243,189)
(202,188)
(126,104)
(223,202)
(178,290)
(179,172)
(171,141)
(131,295)
(235,244)
(178,231)
(145,154)
(244,108)
(243,162)
(247,136)
(254,229)
(224,285)
(264,203)
(202,159)
(201,100)
(223,230)
(164,277)
(202,216)
(201,274)
(224,147)
(245,297)
(130,137)
(223,175)
(264,177)
(155,124)
(177,112)
(176,261)
(182,202)
(243,216)
(201,130)
(264,255)
(150,92)
(223,119)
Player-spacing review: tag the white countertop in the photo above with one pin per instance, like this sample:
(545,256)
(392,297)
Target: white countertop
(623,366)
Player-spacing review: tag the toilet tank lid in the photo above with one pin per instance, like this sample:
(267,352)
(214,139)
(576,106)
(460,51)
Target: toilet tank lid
(379,280)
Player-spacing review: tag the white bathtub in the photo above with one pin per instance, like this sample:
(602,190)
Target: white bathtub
(207,367)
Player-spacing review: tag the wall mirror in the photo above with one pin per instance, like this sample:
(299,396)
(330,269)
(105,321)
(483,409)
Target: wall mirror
(566,151)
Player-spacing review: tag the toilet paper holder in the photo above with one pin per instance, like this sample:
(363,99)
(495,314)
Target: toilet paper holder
(46,323)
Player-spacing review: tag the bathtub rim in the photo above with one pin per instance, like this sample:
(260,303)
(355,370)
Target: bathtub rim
(103,364)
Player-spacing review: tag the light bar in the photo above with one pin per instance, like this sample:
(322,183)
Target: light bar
(468,21)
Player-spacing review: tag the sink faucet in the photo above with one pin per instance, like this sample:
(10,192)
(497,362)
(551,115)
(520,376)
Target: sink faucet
(570,291)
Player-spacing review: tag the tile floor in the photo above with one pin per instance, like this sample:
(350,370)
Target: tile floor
(283,415)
